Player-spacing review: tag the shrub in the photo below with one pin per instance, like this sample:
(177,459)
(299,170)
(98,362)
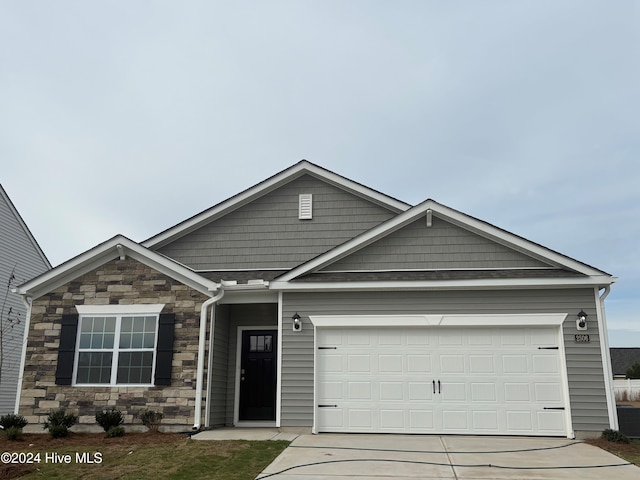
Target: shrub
(58,431)
(109,418)
(615,436)
(115,432)
(151,419)
(13,433)
(59,422)
(13,420)
(634,371)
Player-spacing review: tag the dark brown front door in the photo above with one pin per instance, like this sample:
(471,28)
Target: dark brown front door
(258,375)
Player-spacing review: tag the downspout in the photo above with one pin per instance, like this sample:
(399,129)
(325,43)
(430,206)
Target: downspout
(606,357)
(23,355)
(201,351)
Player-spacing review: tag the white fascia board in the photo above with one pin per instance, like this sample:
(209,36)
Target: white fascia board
(105,252)
(137,309)
(482,284)
(266,186)
(470,320)
(448,214)
(511,240)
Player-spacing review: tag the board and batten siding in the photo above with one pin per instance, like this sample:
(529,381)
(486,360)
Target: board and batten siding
(584,365)
(440,246)
(267,232)
(220,367)
(17,250)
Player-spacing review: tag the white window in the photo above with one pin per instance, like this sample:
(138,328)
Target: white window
(115,348)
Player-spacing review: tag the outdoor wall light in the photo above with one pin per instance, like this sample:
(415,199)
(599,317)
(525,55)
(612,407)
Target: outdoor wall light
(297,322)
(581,322)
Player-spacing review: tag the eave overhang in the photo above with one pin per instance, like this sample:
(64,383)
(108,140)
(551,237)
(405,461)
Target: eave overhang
(116,247)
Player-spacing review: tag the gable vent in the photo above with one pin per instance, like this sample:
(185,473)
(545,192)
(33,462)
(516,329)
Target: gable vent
(305,206)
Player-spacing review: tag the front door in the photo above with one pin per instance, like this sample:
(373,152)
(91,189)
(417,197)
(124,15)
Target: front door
(258,376)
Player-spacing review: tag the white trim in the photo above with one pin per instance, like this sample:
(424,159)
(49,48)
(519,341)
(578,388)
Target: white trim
(107,252)
(236,400)
(301,168)
(23,354)
(151,309)
(565,383)
(279,364)
(477,284)
(607,371)
(314,422)
(457,218)
(470,320)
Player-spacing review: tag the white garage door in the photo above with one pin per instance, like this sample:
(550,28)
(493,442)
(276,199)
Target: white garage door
(440,380)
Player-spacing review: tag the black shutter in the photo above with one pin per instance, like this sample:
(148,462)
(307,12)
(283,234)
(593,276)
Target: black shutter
(67,350)
(164,354)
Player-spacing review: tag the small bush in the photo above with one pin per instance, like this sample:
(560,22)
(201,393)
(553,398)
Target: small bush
(615,436)
(109,418)
(151,419)
(58,431)
(13,420)
(13,433)
(59,422)
(115,432)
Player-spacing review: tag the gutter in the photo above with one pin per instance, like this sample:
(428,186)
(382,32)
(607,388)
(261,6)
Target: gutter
(201,351)
(606,357)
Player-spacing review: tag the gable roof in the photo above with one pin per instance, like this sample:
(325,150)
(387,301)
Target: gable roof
(622,359)
(589,275)
(5,197)
(116,247)
(301,168)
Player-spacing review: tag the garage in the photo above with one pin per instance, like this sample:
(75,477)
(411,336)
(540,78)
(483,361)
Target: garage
(497,380)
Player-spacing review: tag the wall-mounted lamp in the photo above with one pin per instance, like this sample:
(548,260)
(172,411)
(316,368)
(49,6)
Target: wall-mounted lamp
(297,322)
(581,322)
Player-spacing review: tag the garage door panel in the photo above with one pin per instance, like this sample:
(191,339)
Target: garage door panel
(440,380)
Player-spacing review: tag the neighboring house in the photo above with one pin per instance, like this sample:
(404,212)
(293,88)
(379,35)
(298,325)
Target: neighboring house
(310,301)
(622,359)
(20,256)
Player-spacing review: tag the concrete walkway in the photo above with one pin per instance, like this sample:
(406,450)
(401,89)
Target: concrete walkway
(245,434)
(411,457)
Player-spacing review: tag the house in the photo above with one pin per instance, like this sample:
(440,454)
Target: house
(21,258)
(622,359)
(312,302)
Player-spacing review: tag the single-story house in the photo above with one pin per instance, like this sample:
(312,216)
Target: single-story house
(312,302)
(622,359)
(21,258)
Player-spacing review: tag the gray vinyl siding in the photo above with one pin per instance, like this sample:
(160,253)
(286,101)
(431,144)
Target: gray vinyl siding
(584,362)
(18,250)
(220,367)
(441,246)
(267,233)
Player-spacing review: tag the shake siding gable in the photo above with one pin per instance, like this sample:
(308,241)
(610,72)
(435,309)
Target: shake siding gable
(441,246)
(584,363)
(267,233)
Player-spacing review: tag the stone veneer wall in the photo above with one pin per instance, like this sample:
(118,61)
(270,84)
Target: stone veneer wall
(119,282)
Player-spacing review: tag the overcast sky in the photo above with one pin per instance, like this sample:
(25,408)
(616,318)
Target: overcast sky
(131,116)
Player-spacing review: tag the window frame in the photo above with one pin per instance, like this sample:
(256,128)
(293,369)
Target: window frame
(119,312)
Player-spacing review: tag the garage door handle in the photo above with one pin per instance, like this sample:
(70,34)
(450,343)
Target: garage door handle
(439,389)
(434,387)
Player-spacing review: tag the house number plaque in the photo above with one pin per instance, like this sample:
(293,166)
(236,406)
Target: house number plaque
(582,338)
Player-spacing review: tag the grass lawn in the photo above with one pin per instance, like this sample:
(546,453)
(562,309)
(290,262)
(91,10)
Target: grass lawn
(139,456)
(628,451)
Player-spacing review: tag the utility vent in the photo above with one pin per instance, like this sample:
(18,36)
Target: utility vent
(305,210)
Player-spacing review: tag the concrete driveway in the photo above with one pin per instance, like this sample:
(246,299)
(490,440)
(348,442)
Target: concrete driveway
(386,457)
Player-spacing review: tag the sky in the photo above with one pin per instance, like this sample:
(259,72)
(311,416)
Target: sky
(129,117)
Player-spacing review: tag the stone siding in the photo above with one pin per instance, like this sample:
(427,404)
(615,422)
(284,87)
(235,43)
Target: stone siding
(119,282)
